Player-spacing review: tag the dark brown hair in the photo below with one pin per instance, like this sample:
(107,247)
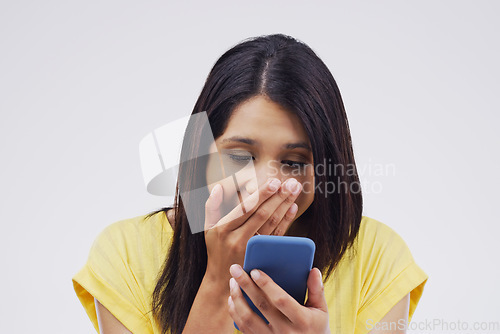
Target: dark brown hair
(289,73)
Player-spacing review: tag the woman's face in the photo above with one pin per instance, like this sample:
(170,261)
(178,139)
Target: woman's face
(261,140)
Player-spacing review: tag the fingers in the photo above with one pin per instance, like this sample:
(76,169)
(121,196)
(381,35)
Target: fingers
(287,209)
(315,292)
(274,215)
(281,310)
(256,295)
(278,297)
(212,206)
(245,318)
(286,221)
(241,212)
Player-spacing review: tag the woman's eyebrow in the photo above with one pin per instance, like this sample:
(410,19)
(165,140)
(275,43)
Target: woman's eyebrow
(250,141)
(239,139)
(301,144)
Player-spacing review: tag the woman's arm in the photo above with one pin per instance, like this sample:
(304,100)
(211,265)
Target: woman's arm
(209,312)
(108,324)
(396,320)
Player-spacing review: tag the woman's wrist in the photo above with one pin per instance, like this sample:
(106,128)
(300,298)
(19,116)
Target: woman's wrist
(216,286)
(209,311)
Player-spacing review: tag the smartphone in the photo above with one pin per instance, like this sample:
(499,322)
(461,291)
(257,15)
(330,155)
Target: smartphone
(286,260)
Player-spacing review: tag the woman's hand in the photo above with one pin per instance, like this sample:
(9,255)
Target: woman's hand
(268,210)
(284,313)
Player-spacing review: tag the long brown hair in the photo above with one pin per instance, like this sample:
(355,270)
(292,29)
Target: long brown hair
(289,73)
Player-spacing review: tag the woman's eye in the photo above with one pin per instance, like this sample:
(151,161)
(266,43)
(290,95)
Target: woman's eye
(295,164)
(244,159)
(240,158)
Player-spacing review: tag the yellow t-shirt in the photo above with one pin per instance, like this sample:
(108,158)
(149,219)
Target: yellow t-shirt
(126,257)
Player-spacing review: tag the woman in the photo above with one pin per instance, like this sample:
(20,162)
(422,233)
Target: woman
(273,105)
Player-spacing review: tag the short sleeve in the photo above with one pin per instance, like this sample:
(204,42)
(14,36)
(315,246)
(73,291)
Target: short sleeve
(389,272)
(109,278)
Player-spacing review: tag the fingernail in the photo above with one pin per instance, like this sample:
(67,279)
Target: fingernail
(291,184)
(232,283)
(215,189)
(293,208)
(255,274)
(230,301)
(297,189)
(274,184)
(236,270)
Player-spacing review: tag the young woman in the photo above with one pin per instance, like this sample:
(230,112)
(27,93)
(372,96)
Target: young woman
(273,104)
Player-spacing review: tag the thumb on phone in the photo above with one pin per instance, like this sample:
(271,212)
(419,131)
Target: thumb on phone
(315,292)
(212,207)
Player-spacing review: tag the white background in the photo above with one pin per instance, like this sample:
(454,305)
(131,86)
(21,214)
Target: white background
(81,83)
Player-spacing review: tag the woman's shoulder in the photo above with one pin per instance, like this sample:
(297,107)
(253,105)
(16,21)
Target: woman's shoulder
(378,245)
(377,271)
(380,250)
(370,227)
(374,231)
(121,268)
(135,239)
(374,234)
(151,224)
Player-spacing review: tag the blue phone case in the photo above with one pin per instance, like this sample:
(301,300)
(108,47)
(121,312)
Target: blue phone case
(287,260)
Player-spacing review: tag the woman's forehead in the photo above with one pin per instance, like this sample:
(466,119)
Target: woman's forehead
(262,117)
